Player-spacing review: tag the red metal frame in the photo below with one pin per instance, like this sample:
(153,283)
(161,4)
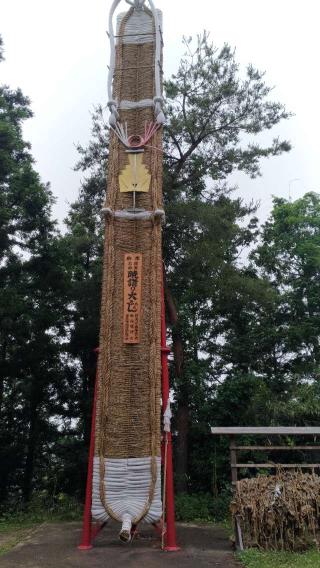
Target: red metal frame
(90,531)
(170,536)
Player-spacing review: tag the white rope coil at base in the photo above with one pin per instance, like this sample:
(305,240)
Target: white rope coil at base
(127,482)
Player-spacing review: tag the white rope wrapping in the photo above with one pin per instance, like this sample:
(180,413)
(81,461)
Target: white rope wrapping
(128,105)
(140,24)
(127,483)
(131,215)
(138,28)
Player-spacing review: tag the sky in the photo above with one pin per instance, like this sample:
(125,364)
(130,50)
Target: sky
(57,52)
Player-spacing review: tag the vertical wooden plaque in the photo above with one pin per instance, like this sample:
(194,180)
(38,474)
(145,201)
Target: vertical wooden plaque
(132,297)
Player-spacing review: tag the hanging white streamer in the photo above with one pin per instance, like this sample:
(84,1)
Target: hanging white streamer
(167,415)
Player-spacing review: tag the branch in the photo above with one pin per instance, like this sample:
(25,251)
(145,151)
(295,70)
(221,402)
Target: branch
(175,142)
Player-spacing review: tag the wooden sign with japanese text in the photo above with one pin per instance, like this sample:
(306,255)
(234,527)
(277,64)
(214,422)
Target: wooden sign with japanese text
(132,297)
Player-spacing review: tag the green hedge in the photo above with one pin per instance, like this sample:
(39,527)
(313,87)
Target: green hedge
(202,507)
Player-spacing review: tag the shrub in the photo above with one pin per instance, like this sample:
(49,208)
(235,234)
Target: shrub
(202,507)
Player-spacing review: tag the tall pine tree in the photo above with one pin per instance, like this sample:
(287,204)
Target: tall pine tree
(33,308)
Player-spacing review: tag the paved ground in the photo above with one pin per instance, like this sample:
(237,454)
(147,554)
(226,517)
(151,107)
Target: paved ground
(55,546)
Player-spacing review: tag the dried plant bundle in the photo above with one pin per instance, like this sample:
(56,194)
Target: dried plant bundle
(279,512)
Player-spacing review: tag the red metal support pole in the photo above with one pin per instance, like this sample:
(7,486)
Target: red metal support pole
(87,532)
(171,545)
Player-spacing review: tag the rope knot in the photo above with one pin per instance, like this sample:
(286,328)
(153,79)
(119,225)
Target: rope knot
(112,103)
(137,4)
(158,102)
(114,115)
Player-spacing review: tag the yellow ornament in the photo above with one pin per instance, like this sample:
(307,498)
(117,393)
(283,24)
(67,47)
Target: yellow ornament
(135,176)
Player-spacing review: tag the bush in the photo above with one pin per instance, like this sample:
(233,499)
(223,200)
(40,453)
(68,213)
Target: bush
(202,507)
(42,507)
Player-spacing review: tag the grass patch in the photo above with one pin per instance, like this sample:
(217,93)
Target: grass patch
(13,532)
(17,522)
(253,558)
(11,525)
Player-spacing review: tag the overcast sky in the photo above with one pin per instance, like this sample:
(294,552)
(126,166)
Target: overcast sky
(57,52)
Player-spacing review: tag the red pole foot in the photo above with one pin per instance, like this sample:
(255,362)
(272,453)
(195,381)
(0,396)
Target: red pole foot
(171,548)
(84,546)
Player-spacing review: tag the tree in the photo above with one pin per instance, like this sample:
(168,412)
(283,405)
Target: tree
(212,119)
(273,352)
(289,256)
(277,349)
(33,306)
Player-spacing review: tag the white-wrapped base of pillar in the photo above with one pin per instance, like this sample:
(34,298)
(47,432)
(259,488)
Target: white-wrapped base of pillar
(127,483)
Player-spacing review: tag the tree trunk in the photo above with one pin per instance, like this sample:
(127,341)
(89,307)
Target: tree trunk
(31,449)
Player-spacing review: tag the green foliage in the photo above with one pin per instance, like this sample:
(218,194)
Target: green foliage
(202,507)
(42,507)
(213,117)
(255,559)
(289,257)
(34,313)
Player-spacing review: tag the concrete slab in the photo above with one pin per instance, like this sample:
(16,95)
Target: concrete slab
(55,546)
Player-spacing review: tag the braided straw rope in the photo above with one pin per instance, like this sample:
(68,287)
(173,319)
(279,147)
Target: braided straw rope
(128,405)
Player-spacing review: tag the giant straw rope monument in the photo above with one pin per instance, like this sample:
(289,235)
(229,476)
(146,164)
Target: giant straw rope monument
(126,480)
